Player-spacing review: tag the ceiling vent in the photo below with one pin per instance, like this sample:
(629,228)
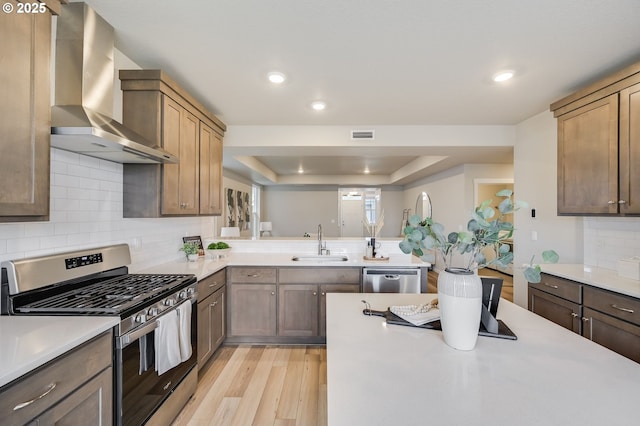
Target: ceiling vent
(367,135)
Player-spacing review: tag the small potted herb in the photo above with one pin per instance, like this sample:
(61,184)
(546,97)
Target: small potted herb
(190,249)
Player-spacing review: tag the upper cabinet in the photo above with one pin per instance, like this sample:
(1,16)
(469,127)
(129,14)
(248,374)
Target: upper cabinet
(157,108)
(25,117)
(599,147)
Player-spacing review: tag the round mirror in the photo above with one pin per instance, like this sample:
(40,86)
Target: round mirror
(423,205)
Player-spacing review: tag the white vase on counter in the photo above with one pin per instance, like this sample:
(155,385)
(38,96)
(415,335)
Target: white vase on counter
(460,305)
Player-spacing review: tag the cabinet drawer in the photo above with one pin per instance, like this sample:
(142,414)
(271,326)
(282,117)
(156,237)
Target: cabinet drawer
(320,275)
(253,275)
(612,333)
(56,379)
(617,305)
(566,289)
(208,285)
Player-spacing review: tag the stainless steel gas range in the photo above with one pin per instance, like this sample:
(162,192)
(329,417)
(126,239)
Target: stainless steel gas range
(155,343)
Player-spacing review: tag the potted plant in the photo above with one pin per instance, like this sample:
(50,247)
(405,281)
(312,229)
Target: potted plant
(460,288)
(190,249)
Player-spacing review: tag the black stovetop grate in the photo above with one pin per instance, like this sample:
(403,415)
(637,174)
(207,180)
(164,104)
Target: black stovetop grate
(112,296)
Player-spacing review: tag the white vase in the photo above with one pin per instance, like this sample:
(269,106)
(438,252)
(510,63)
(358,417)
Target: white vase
(192,257)
(460,304)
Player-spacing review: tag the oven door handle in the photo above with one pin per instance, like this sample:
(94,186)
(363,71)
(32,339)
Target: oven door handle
(127,339)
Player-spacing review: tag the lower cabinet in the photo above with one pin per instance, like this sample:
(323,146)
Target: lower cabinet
(612,320)
(286,305)
(211,315)
(558,300)
(252,309)
(607,318)
(555,309)
(75,389)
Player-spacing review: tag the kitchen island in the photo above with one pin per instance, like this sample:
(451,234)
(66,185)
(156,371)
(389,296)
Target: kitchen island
(379,374)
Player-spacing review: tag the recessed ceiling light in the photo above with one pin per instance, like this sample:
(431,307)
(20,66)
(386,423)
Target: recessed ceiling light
(366,171)
(318,105)
(300,170)
(503,76)
(276,77)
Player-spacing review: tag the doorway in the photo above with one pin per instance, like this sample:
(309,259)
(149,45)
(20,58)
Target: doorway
(358,205)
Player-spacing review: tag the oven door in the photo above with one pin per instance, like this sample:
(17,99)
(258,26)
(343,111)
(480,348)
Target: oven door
(139,390)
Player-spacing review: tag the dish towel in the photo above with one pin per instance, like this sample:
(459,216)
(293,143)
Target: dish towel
(167,337)
(184,312)
(417,315)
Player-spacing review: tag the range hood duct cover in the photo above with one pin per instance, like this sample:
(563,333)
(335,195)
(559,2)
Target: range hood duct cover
(81,117)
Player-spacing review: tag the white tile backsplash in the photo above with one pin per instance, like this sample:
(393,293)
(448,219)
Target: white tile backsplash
(608,239)
(86,211)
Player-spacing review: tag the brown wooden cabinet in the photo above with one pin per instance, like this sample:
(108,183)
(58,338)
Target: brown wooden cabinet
(157,108)
(210,171)
(605,317)
(25,113)
(284,305)
(630,150)
(211,315)
(253,295)
(75,388)
(598,147)
(558,300)
(612,320)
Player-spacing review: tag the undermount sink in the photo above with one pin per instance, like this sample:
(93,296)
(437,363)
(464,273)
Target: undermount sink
(319,258)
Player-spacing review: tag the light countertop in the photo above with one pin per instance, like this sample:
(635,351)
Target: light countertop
(607,279)
(31,341)
(384,375)
(206,265)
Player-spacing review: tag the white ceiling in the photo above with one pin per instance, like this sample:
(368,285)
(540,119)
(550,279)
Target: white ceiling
(375,63)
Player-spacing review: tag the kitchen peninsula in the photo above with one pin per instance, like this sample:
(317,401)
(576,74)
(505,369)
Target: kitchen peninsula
(380,374)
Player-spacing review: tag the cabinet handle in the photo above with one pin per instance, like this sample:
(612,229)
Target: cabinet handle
(550,285)
(315,293)
(622,202)
(213,304)
(50,388)
(212,285)
(323,293)
(611,202)
(573,314)
(273,293)
(614,306)
(585,319)
(253,275)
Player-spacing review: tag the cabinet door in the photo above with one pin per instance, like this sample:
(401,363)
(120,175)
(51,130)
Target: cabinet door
(555,309)
(210,171)
(252,309)
(25,123)
(180,135)
(332,288)
(217,309)
(629,202)
(204,331)
(610,332)
(90,404)
(588,159)
(298,310)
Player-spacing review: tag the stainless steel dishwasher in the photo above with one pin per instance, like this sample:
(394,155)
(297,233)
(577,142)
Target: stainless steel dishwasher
(391,280)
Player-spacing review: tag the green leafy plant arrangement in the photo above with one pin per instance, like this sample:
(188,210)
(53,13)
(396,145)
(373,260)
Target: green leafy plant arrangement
(189,248)
(487,228)
(220,245)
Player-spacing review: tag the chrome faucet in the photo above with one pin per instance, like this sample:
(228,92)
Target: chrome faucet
(322,248)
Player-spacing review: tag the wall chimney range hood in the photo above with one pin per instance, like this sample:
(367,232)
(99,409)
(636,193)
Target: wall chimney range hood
(81,117)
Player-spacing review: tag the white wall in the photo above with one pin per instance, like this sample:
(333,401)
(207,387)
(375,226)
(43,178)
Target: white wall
(535,176)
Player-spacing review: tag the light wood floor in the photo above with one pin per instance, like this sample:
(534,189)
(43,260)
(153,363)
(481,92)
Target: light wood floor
(261,385)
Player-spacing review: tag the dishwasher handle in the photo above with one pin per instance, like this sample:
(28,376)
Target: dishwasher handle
(390,277)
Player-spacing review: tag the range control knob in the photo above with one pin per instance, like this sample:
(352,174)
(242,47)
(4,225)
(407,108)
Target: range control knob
(183,295)
(140,318)
(152,312)
(191,291)
(169,302)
